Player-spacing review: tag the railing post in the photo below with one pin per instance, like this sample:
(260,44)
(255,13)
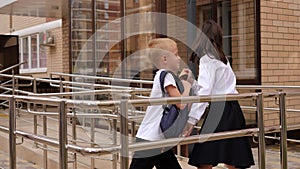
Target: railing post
(92,132)
(74,136)
(45,152)
(13,82)
(261,134)
(283,131)
(61,86)
(115,156)
(124,134)
(12,134)
(34,108)
(63,156)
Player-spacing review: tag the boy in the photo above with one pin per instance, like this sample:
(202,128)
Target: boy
(164,56)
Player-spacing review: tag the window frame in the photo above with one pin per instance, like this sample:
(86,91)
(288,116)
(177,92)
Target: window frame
(257,41)
(39,69)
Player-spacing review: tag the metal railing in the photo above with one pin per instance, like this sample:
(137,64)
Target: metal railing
(127,117)
(124,148)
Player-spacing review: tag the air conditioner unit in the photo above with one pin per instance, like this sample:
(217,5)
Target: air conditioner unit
(46,38)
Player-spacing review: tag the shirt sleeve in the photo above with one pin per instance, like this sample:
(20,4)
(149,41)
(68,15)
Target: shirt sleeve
(204,86)
(169,80)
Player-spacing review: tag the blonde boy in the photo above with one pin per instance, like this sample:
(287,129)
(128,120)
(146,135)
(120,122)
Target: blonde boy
(164,56)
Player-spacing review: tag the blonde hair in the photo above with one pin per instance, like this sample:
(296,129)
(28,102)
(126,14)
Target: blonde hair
(159,47)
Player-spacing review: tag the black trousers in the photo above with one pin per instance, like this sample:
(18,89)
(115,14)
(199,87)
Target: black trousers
(147,159)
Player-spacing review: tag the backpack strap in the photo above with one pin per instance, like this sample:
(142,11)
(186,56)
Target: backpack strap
(177,81)
(162,81)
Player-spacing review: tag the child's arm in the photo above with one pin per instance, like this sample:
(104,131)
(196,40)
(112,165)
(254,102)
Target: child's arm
(174,92)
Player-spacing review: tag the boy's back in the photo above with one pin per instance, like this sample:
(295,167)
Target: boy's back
(150,128)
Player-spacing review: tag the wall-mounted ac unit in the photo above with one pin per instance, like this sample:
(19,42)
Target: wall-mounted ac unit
(46,38)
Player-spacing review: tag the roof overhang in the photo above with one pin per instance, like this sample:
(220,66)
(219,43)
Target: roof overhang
(35,8)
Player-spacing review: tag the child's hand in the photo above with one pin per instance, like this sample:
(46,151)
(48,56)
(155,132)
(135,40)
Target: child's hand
(187,130)
(187,86)
(187,74)
(184,73)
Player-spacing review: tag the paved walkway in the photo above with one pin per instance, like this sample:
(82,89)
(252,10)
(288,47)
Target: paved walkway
(21,164)
(273,156)
(272,159)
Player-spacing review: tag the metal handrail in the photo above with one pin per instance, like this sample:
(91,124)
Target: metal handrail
(266,87)
(103,78)
(150,145)
(65,103)
(11,67)
(56,83)
(105,91)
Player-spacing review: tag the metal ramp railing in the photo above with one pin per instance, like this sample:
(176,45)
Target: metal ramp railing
(122,118)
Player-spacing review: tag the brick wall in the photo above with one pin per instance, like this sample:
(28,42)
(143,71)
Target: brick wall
(280,37)
(4,26)
(21,22)
(65,46)
(18,22)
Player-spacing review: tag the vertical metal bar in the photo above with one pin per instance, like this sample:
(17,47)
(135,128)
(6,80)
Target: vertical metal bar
(61,87)
(17,103)
(74,136)
(69,19)
(63,156)
(94,43)
(179,150)
(34,108)
(123,38)
(13,82)
(45,153)
(257,44)
(124,134)
(115,156)
(133,123)
(191,17)
(283,131)
(261,134)
(12,134)
(92,140)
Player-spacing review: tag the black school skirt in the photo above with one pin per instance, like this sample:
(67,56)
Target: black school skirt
(223,116)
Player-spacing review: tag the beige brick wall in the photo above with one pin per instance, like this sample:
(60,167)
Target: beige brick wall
(18,22)
(280,37)
(4,26)
(65,46)
(55,54)
(21,22)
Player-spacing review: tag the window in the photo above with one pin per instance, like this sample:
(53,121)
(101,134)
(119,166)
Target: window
(33,54)
(237,19)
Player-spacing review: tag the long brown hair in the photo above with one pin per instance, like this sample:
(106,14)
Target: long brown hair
(214,36)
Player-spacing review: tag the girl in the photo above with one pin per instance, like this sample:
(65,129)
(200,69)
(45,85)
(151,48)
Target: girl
(216,77)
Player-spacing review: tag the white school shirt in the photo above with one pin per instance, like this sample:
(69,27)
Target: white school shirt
(214,78)
(149,128)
